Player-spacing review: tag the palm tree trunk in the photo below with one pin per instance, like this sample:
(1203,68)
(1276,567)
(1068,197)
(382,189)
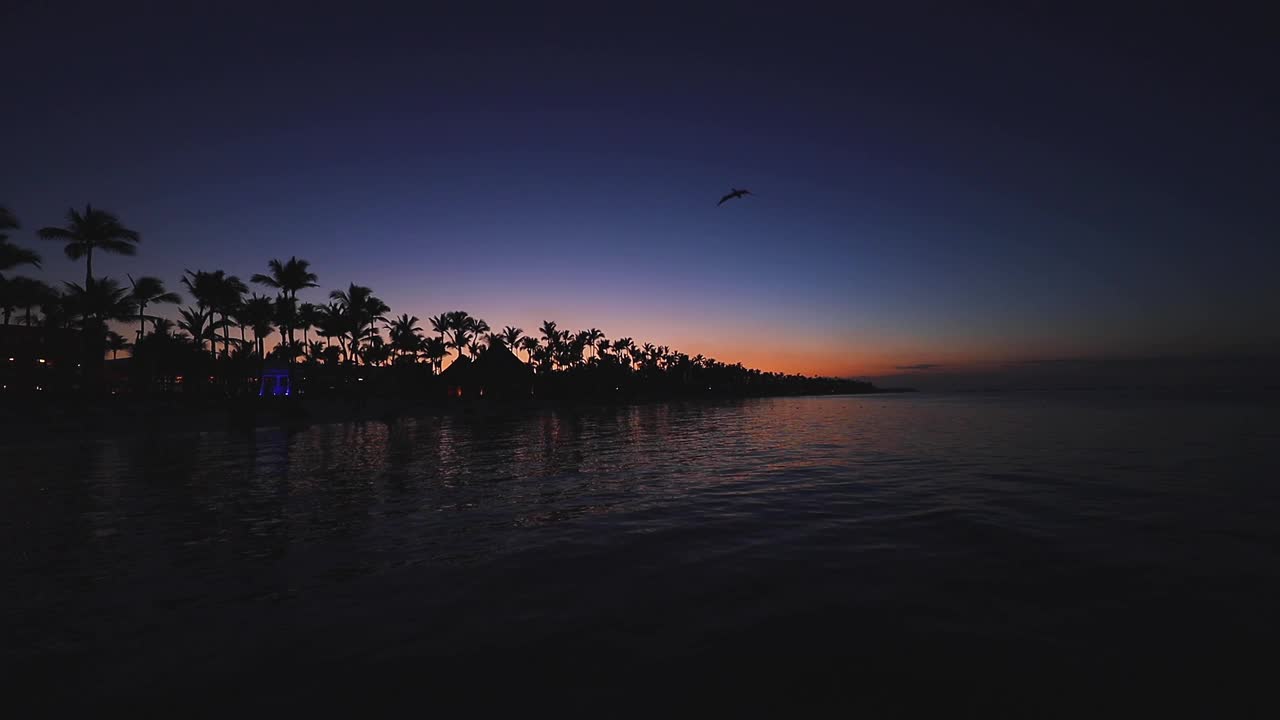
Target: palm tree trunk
(142,320)
(88,267)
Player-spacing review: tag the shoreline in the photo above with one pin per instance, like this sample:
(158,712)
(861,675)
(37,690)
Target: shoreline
(116,417)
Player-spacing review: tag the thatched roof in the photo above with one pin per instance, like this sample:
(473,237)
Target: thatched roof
(495,365)
(499,362)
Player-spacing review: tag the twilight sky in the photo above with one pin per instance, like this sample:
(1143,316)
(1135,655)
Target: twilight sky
(938,191)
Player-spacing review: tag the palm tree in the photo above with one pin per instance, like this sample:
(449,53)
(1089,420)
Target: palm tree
(374,311)
(575,344)
(8,299)
(439,324)
(161,326)
(551,335)
(435,350)
(478,328)
(511,336)
(333,324)
(116,342)
(593,336)
(376,352)
(230,295)
(260,313)
(623,347)
(11,255)
(93,229)
(218,293)
(29,293)
(308,317)
(529,344)
(406,336)
(288,277)
(96,304)
(100,301)
(56,309)
(147,290)
(286,316)
(460,324)
(361,309)
(203,286)
(8,221)
(194,320)
(647,353)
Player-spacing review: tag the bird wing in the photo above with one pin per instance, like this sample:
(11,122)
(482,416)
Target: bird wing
(726,197)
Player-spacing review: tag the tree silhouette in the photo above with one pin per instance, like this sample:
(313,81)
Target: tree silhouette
(195,321)
(89,231)
(8,299)
(26,293)
(216,292)
(100,301)
(116,342)
(11,255)
(511,337)
(307,319)
(623,348)
(8,221)
(440,324)
(435,350)
(478,329)
(406,336)
(286,316)
(530,345)
(591,337)
(361,309)
(147,290)
(459,325)
(260,314)
(161,326)
(288,277)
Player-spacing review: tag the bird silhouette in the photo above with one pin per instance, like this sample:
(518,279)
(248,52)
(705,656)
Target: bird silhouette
(735,193)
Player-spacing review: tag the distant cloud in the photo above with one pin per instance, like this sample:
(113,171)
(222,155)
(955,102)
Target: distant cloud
(921,366)
(1047,361)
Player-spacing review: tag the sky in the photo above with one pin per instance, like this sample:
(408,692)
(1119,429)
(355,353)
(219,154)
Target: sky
(940,193)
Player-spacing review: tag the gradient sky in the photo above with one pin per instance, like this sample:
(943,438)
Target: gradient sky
(937,190)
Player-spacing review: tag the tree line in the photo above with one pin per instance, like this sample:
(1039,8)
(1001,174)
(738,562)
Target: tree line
(227,318)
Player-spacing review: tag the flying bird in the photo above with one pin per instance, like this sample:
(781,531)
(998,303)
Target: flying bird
(735,193)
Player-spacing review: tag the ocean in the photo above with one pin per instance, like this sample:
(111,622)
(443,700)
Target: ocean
(1021,550)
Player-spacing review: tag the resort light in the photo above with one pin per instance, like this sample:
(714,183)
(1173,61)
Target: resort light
(41,361)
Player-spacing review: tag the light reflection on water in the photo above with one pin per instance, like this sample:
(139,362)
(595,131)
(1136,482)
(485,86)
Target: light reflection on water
(653,529)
